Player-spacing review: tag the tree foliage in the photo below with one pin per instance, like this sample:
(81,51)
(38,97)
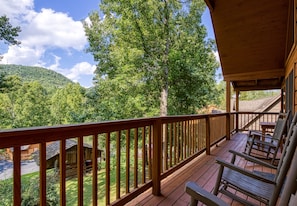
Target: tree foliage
(151,53)
(8,95)
(8,33)
(32,108)
(30,191)
(250,95)
(68,105)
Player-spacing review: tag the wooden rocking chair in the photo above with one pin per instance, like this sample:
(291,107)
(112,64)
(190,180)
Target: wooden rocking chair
(259,187)
(267,146)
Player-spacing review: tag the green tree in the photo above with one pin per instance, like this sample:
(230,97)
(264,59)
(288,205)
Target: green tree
(192,63)
(32,106)
(221,86)
(68,105)
(2,82)
(151,53)
(251,95)
(30,191)
(8,33)
(9,83)
(8,95)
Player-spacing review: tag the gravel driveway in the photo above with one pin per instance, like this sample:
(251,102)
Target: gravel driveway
(6,168)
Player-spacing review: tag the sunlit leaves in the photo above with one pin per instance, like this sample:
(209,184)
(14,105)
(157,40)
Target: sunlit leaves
(8,33)
(146,47)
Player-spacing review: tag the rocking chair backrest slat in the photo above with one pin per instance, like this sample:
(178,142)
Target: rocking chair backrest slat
(287,143)
(280,125)
(293,122)
(286,159)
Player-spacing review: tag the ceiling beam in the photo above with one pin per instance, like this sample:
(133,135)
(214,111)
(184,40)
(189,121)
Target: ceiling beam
(267,74)
(253,88)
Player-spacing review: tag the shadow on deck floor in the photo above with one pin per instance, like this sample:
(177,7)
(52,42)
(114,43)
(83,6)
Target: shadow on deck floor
(202,170)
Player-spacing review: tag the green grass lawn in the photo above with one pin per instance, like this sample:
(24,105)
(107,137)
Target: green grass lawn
(30,185)
(71,186)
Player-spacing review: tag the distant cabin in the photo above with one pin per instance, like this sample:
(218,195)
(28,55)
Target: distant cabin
(26,151)
(53,151)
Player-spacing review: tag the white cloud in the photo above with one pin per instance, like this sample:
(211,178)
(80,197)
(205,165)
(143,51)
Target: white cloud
(82,68)
(56,65)
(44,32)
(54,29)
(41,31)
(79,71)
(88,21)
(23,55)
(14,9)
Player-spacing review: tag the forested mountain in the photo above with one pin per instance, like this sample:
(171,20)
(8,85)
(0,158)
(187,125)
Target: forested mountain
(46,77)
(33,96)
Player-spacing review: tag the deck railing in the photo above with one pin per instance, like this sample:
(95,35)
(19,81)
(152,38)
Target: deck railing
(139,153)
(246,121)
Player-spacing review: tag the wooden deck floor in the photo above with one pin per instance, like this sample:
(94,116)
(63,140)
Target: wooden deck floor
(202,170)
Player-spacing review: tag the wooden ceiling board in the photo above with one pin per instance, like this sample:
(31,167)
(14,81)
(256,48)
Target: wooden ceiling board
(250,35)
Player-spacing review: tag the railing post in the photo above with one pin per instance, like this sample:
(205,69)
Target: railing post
(237,121)
(157,158)
(207,136)
(17,176)
(228,126)
(42,174)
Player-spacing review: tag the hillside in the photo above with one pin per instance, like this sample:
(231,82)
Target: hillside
(48,78)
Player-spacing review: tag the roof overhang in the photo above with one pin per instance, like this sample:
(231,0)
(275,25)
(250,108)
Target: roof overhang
(251,40)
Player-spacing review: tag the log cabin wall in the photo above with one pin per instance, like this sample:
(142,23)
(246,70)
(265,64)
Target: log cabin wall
(290,85)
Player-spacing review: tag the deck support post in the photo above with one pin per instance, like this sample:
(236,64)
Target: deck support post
(237,109)
(228,105)
(156,167)
(228,96)
(282,100)
(237,101)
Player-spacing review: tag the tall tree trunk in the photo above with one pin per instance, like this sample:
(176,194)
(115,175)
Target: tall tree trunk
(163,105)
(164,91)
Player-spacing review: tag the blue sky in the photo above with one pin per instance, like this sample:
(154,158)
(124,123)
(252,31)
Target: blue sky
(53,37)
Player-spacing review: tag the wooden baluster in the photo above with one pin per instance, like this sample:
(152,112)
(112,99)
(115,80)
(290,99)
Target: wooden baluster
(143,156)
(80,171)
(128,161)
(118,165)
(107,169)
(62,171)
(135,157)
(17,176)
(42,173)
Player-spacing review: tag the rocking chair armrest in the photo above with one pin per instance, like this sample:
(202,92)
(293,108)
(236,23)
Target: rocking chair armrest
(252,159)
(198,194)
(255,132)
(243,171)
(270,144)
(259,135)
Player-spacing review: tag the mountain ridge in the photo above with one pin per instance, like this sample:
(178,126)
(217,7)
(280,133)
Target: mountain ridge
(47,78)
